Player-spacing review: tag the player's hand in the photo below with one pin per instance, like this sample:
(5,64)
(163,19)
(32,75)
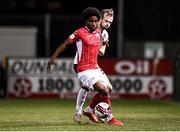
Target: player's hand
(50,65)
(106,43)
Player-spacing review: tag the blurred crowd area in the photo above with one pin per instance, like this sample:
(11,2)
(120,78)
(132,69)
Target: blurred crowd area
(51,6)
(135,23)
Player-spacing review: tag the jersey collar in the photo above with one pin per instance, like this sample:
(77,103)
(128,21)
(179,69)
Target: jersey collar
(89,30)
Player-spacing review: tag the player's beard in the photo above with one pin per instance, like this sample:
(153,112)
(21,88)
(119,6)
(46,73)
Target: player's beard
(92,28)
(105,27)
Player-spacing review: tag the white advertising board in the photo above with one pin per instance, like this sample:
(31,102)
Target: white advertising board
(28,78)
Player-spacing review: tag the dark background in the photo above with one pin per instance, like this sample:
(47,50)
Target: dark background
(143,20)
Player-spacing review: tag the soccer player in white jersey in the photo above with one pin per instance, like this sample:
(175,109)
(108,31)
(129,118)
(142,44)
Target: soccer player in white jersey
(87,69)
(106,21)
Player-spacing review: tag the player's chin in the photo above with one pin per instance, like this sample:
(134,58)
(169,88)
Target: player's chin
(91,28)
(94,28)
(106,27)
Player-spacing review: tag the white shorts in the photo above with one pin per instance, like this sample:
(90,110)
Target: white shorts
(90,77)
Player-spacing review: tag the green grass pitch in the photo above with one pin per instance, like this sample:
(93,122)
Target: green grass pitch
(57,114)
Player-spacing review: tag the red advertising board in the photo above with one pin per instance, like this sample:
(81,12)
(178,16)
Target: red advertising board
(136,67)
(28,78)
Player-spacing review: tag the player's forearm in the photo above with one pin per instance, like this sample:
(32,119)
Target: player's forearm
(102,50)
(59,50)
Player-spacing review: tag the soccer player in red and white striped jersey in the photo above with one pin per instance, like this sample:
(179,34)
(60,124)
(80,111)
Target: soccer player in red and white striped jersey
(87,67)
(106,21)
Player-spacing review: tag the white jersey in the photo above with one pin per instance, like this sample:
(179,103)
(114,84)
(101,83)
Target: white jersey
(105,35)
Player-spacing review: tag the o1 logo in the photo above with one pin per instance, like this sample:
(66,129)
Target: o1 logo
(129,67)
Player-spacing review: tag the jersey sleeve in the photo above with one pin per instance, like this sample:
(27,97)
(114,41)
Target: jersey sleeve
(74,36)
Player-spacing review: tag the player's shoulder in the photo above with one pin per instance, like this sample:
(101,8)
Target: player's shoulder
(81,29)
(104,32)
(79,32)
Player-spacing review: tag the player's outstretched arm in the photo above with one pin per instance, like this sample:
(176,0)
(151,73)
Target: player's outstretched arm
(58,51)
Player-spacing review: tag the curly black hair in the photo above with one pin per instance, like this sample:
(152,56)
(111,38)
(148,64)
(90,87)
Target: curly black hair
(91,11)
